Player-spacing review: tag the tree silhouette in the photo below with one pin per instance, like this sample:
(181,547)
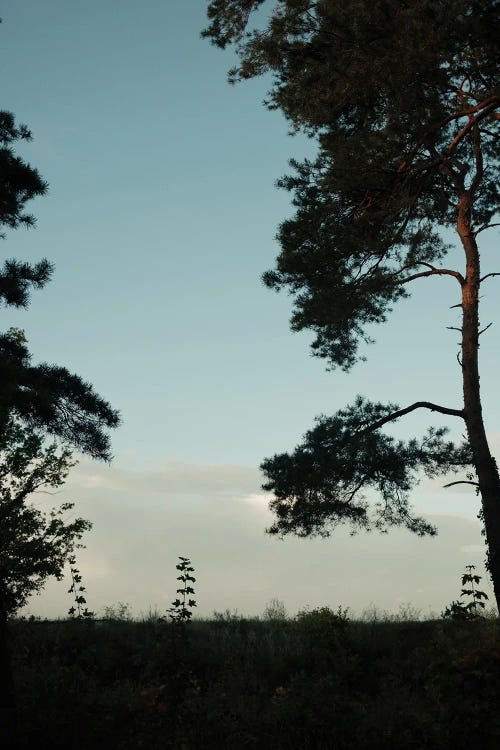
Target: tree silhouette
(403,101)
(39,400)
(34,545)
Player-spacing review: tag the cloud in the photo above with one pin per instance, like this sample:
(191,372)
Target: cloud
(172,477)
(217,515)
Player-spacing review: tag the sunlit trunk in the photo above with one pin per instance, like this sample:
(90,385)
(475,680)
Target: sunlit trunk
(486,468)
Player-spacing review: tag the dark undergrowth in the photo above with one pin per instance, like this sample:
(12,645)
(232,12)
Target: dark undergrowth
(315,681)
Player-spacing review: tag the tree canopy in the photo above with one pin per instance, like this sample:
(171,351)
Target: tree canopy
(324,482)
(19,183)
(35,401)
(43,396)
(34,545)
(403,101)
(398,94)
(48,397)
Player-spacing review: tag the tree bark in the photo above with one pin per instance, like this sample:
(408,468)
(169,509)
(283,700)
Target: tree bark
(484,463)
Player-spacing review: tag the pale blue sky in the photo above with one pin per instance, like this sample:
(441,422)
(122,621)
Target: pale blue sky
(160,219)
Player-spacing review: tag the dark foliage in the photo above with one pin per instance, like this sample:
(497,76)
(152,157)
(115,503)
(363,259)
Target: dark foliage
(391,90)
(34,545)
(50,398)
(19,183)
(316,682)
(323,482)
(402,99)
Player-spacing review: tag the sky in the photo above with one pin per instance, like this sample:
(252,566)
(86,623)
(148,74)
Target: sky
(160,219)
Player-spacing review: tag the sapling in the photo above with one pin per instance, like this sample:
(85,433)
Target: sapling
(458,610)
(178,675)
(180,611)
(78,611)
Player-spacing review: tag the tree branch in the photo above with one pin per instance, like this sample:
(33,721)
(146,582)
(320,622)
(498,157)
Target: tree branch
(485,226)
(472,122)
(488,276)
(485,329)
(461,481)
(417,405)
(433,272)
(488,102)
(478,158)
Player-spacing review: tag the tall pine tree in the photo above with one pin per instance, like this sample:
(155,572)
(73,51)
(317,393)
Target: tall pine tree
(403,99)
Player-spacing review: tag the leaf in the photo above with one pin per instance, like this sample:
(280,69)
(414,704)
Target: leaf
(481,594)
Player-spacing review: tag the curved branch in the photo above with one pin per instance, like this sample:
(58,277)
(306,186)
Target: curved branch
(485,226)
(417,405)
(433,272)
(488,276)
(461,481)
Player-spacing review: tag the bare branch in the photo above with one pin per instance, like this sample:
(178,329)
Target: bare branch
(454,328)
(459,361)
(417,405)
(488,276)
(461,481)
(434,272)
(485,329)
(485,226)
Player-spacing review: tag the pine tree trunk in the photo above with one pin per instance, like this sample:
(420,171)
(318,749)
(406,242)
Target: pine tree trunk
(8,718)
(485,465)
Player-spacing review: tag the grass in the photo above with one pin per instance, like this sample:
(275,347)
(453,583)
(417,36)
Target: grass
(319,680)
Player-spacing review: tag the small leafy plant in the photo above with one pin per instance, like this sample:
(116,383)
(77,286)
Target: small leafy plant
(77,611)
(180,611)
(458,610)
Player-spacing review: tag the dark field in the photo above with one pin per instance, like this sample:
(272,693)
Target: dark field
(317,681)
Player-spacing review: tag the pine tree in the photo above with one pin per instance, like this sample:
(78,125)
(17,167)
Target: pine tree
(403,100)
(39,400)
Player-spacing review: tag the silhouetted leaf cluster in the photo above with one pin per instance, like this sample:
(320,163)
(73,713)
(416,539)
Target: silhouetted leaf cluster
(34,545)
(324,482)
